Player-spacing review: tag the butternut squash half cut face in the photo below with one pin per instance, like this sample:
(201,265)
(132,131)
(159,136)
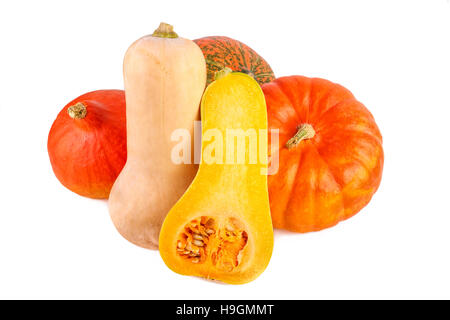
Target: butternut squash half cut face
(221,227)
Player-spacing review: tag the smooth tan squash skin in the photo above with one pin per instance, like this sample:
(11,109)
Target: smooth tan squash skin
(221,191)
(164,81)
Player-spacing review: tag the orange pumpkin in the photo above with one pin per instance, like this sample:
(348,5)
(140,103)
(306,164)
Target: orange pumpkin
(87,143)
(330,153)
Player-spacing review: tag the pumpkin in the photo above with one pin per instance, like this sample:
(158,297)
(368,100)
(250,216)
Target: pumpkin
(329,152)
(221,227)
(87,143)
(221,52)
(165,76)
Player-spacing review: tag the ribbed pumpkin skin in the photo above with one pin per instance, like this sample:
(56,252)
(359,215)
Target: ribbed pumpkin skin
(221,52)
(332,176)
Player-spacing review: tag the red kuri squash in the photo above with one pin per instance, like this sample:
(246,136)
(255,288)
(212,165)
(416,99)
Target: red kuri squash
(330,153)
(87,143)
(221,52)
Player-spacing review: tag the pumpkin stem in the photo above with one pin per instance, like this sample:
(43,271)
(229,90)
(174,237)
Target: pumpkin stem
(77,111)
(304,131)
(165,30)
(222,73)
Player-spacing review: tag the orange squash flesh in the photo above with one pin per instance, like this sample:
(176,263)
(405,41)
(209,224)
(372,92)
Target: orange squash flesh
(221,228)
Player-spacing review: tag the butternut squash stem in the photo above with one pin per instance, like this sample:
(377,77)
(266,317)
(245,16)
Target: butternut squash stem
(222,73)
(77,111)
(304,131)
(165,30)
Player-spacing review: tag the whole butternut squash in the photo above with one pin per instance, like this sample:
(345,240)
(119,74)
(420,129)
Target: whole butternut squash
(165,77)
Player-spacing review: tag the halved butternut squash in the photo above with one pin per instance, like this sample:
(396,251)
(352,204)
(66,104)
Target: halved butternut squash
(221,227)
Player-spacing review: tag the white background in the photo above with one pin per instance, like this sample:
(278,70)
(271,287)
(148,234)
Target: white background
(393,55)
